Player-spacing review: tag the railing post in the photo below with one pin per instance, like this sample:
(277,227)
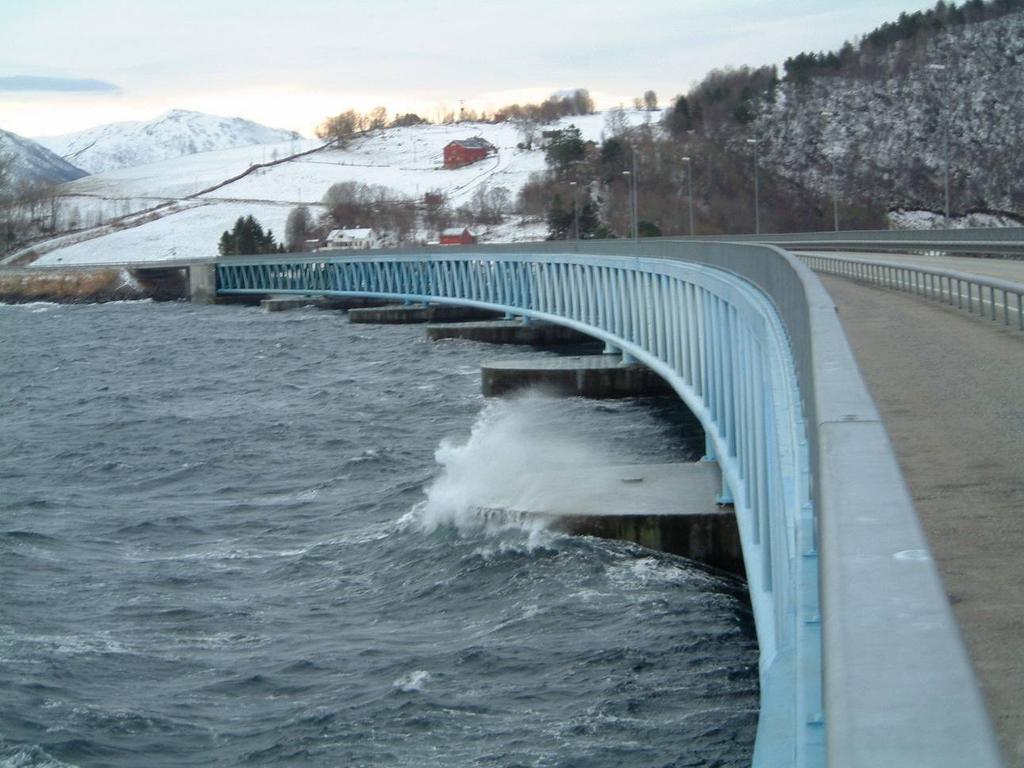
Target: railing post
(709,449)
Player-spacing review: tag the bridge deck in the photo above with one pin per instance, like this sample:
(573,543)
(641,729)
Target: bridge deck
(950,388)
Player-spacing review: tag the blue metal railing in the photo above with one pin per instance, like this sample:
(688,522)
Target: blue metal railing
(748,338)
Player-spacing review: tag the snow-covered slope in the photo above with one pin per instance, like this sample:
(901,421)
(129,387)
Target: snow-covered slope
(31,162)
(408,161)
(173,134)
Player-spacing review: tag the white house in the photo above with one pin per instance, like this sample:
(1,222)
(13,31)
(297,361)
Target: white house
(351,239)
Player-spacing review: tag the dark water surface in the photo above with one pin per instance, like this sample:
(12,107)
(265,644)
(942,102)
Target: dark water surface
(236,538)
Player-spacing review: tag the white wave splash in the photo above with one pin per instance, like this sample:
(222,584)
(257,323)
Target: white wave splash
(502,475)
(412,682)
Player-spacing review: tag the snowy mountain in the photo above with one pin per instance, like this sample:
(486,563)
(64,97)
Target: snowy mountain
(31,162)
(173,134)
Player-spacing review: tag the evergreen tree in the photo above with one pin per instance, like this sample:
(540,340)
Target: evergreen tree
(648,229)
(677,119)
(559,220)
(227,244)
(246,238)
(589,222)
(567,147)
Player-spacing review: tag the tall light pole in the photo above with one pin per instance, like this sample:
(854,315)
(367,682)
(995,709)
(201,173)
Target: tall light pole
(629,180)
(634,229)
(757,201)
(635,209)
(575,213)
(636,201)
(689,187)
(835,191)
(945,135)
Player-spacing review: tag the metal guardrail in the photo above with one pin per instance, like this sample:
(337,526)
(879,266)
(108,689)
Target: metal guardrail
(1006,241)
(895,686)
(961,289)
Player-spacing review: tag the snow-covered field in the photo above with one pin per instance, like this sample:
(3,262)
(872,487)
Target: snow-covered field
(87,211)
(190,233)
(407,160)
(183,176)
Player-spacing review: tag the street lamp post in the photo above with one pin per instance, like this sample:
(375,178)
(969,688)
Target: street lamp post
(631,177)
(575,213)
(945,135)
(757,201)
(689,188)
(835,190)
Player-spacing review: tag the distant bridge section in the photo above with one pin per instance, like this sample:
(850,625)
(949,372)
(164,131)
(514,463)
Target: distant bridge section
(861,660)
(1003,241)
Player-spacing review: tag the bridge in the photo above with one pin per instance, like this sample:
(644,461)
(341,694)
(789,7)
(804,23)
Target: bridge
(861,659)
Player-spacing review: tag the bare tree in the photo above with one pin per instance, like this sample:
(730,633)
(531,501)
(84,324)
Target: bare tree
(6,202)
(583,104)
(50,194)
(341,127)
(527,128)
(436,214)
(650,100)
(615,123)
(378,118)
(5,174)
(297,227)
(400,219)
(347,203)
(500,198)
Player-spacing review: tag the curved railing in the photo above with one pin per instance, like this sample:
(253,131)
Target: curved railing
(1007,241)
(873,672)
(976,294)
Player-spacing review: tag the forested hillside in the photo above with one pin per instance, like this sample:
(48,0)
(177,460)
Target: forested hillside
(876,110)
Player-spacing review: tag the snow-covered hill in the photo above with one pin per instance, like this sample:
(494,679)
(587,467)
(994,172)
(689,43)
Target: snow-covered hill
(173,134)
(30,162)
(408,161)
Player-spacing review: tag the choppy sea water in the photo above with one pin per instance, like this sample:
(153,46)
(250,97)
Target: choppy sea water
(237,538)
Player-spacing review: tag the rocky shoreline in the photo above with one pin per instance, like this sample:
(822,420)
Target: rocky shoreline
(87,286)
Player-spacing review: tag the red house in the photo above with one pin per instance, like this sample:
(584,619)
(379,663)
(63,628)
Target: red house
(465,151)
(457,236)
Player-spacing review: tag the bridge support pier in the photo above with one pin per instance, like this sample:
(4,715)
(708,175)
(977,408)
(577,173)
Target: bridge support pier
(593,376)
(202,283)
(508,332)
(398,314)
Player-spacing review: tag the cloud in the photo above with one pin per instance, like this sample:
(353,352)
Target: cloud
(58,84)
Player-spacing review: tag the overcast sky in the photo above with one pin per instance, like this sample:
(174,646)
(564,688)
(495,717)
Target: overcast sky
(66,65)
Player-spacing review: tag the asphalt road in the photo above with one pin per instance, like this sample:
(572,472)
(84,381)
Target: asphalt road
(950,388)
